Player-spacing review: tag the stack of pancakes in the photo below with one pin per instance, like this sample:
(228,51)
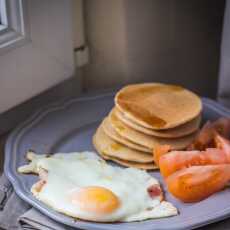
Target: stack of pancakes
(145,116)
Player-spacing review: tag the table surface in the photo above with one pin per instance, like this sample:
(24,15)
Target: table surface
(222,225)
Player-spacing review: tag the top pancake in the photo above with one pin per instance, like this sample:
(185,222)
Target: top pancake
(158,106)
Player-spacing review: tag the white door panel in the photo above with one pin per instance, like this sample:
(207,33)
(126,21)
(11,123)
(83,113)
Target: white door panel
(45,59)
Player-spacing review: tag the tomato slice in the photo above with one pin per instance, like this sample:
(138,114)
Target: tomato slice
(198,182)
(177,160)
(159,151)
(222,126)
(204,138)
(222,143)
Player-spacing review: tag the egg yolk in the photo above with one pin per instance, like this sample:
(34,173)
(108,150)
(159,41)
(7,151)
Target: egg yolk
(95,199)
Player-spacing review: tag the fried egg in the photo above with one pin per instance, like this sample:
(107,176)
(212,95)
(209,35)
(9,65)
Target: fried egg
(82,185)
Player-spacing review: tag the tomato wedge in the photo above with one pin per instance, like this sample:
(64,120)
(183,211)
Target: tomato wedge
(222,126)
(204,138)
(222,143)
(198,182)
(159,151)
(177,160)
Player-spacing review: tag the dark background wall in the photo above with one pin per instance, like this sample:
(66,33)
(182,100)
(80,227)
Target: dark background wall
(173,41)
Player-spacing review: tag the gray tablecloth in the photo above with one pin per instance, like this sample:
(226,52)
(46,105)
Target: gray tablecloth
(16,214)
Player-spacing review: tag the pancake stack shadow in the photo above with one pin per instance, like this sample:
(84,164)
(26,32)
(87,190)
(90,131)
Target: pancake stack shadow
(145,116)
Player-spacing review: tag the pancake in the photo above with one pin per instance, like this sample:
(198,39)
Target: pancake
(158,106)
(106,146)
(180,131)
(146,140)
(110,131)
(145,166)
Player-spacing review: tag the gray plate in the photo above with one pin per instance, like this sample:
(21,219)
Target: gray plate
(69,126)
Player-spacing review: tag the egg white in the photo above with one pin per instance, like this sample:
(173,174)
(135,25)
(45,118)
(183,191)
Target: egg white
(73,171)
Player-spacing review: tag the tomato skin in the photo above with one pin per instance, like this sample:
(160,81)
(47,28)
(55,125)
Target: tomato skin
(160,151)
(177,160)
(198,182)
